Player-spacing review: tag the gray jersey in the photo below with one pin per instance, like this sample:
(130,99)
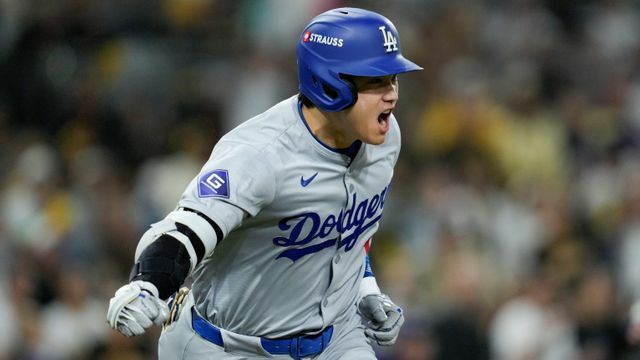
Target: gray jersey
(294,262)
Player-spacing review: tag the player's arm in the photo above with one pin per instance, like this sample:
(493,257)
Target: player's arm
(166,254)
(384,318)
(172,248)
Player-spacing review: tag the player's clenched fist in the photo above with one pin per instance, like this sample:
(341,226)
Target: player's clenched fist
(384,318)
(135,307)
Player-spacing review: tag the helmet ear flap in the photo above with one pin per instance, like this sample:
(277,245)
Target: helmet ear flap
(351,85)
(348,99)
(327,91)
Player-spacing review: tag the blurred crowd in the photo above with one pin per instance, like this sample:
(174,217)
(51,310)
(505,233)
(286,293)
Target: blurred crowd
(512,229)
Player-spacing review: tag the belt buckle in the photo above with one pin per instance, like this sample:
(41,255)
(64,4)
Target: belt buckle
(297,345)
(296,348)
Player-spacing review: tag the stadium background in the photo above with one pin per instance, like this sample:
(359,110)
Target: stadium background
(512,230)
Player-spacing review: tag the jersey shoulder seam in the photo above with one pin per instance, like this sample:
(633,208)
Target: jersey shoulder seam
(258,151)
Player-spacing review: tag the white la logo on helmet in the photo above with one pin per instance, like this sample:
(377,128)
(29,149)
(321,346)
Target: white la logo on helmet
(390,41)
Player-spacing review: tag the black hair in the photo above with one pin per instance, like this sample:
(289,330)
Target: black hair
(305,101)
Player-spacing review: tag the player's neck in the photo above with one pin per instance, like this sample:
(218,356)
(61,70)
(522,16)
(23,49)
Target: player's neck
(325,127)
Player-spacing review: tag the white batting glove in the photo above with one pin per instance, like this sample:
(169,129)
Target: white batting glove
(384,318)
(135,307)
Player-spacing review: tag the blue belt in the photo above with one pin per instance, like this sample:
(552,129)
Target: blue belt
(297,347)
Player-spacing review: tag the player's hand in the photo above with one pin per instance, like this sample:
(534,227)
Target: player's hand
(384,318)
(135,307)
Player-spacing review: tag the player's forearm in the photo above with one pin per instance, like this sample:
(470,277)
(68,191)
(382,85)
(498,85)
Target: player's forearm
(173,247)
(368,284)
(165,263)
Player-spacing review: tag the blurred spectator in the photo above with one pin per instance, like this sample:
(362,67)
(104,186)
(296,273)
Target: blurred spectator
(35,207)
(8,328)
(609,26)
(23,313)
(161,180)
(463,121)
(458,324)
(74,323)
(533,326)
(517,30)
(600,332)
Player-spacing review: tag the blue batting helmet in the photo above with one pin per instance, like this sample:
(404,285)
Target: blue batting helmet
(346,41)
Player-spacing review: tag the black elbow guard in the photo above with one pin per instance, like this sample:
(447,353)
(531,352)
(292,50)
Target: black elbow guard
(165,263)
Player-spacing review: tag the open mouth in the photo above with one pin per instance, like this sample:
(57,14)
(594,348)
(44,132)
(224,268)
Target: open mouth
(383,119)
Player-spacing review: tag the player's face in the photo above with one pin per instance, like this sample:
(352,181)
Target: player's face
(369,118)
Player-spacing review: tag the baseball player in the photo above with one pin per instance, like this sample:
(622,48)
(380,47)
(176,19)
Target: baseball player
(275,229)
